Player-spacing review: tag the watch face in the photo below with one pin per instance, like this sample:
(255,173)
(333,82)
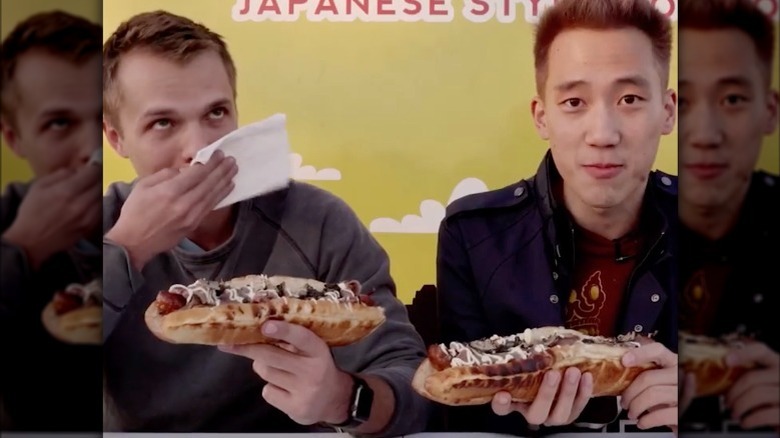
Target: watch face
(364,398)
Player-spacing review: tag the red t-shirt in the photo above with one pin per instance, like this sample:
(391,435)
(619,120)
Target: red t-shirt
(601,273)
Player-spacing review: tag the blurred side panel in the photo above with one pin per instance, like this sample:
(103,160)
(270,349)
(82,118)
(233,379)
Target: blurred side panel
(730,216)
(51,262)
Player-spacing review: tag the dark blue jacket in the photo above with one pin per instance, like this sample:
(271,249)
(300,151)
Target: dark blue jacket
(749,300)
(505,258)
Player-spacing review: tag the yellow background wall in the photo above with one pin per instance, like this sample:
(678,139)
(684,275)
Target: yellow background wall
(404,111)
(394,116)
(12,168)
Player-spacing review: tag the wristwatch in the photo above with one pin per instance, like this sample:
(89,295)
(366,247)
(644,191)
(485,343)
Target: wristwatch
(360,403)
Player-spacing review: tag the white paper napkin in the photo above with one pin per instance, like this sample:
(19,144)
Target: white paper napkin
(262,153)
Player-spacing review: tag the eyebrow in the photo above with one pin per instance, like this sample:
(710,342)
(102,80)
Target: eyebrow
(637,81)
(740,81)
(52,113)
(163,112)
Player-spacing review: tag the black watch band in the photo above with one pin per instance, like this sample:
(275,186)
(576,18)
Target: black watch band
(360,404)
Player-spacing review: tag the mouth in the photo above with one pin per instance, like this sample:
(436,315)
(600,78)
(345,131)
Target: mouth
(603,170)
(705,171)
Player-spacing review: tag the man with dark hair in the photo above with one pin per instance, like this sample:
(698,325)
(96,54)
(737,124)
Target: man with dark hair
(170,90)
(589,241)
(50,117)
(729,238)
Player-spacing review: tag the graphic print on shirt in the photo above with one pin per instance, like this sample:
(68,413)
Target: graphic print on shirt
(695,293)
(702,297)
(584,307)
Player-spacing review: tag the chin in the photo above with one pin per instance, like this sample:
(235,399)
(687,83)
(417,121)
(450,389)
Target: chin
(703,198)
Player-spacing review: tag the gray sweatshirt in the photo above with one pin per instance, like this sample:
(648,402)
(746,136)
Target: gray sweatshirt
(301,231)
(73,371)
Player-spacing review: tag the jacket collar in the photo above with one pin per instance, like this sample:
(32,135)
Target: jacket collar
(559,225)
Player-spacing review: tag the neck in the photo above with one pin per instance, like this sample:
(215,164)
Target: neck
(711,222)
(215,229)
(611,223)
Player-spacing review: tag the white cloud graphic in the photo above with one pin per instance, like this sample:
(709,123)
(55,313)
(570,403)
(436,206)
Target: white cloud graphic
(431,212)
(309,173)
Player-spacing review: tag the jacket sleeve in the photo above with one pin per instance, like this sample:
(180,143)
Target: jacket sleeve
(460,307)
(395,350)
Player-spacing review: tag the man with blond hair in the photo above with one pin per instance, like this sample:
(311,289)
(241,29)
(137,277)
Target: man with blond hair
(589,241)
(50,117)
(170,89)
(729,237)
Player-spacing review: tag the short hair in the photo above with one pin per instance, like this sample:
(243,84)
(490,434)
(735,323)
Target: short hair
(740,15)
(162,33)
(63,35)
(601,15)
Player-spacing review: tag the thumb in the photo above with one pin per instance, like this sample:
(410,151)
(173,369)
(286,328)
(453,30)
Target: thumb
(647,354)
(753,353)
(502,403)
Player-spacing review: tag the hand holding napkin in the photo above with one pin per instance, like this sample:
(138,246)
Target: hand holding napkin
(262,154)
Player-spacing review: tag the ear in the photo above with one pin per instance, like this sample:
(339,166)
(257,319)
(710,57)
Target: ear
(773,100)
(670,111)
(11,137)
(540,117)
(114,137)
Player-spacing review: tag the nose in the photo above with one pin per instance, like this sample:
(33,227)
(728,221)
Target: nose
(89,140)
(701,127)
(603,128)
(194,139)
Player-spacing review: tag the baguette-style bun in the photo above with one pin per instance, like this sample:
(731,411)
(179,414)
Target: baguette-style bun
(705,358)
(80,326)
(477,384)
(337,324)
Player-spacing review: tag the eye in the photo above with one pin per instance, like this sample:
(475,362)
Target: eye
(631,99)
(161,124)
(574,102)
(217,113)
(735,99)
(58,124)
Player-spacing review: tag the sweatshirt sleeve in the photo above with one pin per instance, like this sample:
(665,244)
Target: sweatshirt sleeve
(16,274)
(120,282)
(395,350)
(15,270)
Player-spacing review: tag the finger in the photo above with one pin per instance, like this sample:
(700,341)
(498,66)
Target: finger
(759,378)
(688,391)
(55,177)
(158,177)
(303,339)
(539,409)
(651,398)
(87,178)
(502,403)
(269,355)
(190,177)
(754,353)
(221,184)
(288,347)
(666,416)
(646,379)
(565,401)
(654,352)
(213,188)
(755,397)
(769,416)
(88,206)
(584,394)
(275,376)
(277,397)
